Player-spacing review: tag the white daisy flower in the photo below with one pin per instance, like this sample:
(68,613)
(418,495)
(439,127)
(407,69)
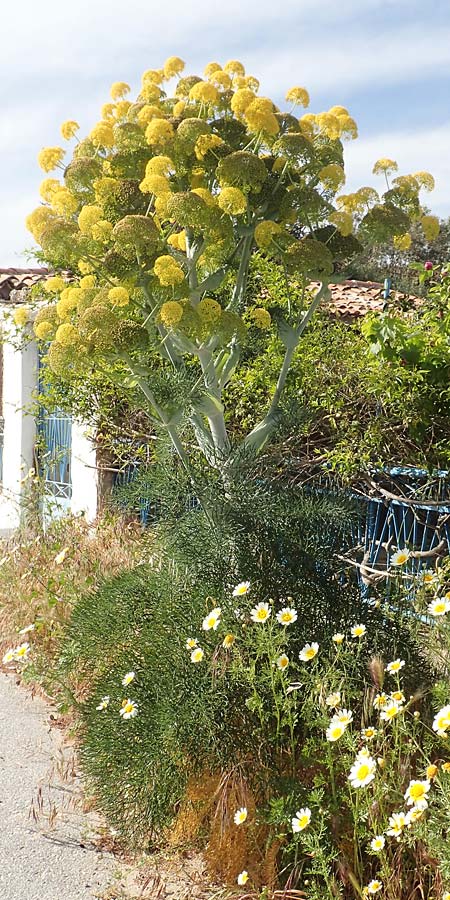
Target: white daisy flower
(260,612)
(333,699)
(308,652)
(368,733)
(197,655)
(343,715)
(242,588)
(129,709)
(380,701)
(358,631)
(395,666)
(282,662)
(9,657)
(104,703)
(398,696)
(414,814)
(390,710)
(21,653)
(338,638)
(374,886)
(335,730)
(212,620)
(287,616)
(439,607)
(441,721)
(128,678)
(301,820)
(242,878)
(240,815)
(363,770)
(400,557)
(416,792)
(377,843)
(191,643)
(397,822)
(27,629)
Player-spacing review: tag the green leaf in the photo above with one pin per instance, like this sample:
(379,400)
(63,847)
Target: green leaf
(287,334)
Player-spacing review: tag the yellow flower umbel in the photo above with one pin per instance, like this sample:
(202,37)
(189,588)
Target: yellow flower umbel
(298,96)
(20,316)
(50,157)
(204,92)
(385,166)
(119,296)
(232,201)
(119,90)
(171,313)
(159,132)
(173,66)
(168,271)
(69,129)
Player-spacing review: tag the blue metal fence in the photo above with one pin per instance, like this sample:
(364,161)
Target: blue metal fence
(54,451)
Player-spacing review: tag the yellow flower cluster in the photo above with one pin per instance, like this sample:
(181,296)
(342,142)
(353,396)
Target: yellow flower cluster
(402,241)
(54,284)
(332,176)
(171,313)
(430,227)
(385,166)
(89,216)
(69,129)
(155,184)
(298,96)
(260,318)
(204,92)
(119,296)
(264,233)
(173,66)
(48,188)
(260,116)
(20,316)
(119,89)
(64,202)
(168,271)
(102,133)
(209,310)
(159,132)
(178,241)
(232,201)
(50,157)
(343,222)
(206,142)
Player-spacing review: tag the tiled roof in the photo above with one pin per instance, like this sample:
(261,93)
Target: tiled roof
(17,280)
(349,299)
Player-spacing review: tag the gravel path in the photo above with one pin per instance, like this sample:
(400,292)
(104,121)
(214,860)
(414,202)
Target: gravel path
(43,859)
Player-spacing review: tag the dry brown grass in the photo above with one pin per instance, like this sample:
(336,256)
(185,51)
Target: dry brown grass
(35,588)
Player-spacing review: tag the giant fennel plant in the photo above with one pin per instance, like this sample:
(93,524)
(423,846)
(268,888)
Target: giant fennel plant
(151,224)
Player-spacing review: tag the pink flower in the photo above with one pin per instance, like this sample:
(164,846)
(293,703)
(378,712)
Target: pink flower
(428,265)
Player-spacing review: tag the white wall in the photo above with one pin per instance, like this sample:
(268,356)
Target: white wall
(84,473)
(20,376)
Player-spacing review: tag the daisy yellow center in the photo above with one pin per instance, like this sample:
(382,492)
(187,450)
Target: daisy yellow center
(286,617)
(363,771)
(242,589)
(128,707)
(440,606)
(310,654)
(417,791)
(402,557)
(303,821)
(262,614)
(211,620)
(336,730)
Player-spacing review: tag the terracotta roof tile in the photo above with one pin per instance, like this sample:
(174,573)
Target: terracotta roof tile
(17,280)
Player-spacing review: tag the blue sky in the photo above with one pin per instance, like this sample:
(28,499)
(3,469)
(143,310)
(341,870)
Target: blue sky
(387,60)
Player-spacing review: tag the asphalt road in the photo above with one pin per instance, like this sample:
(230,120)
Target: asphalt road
(42,860)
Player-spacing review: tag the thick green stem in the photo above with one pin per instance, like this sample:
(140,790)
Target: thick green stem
(242,275)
